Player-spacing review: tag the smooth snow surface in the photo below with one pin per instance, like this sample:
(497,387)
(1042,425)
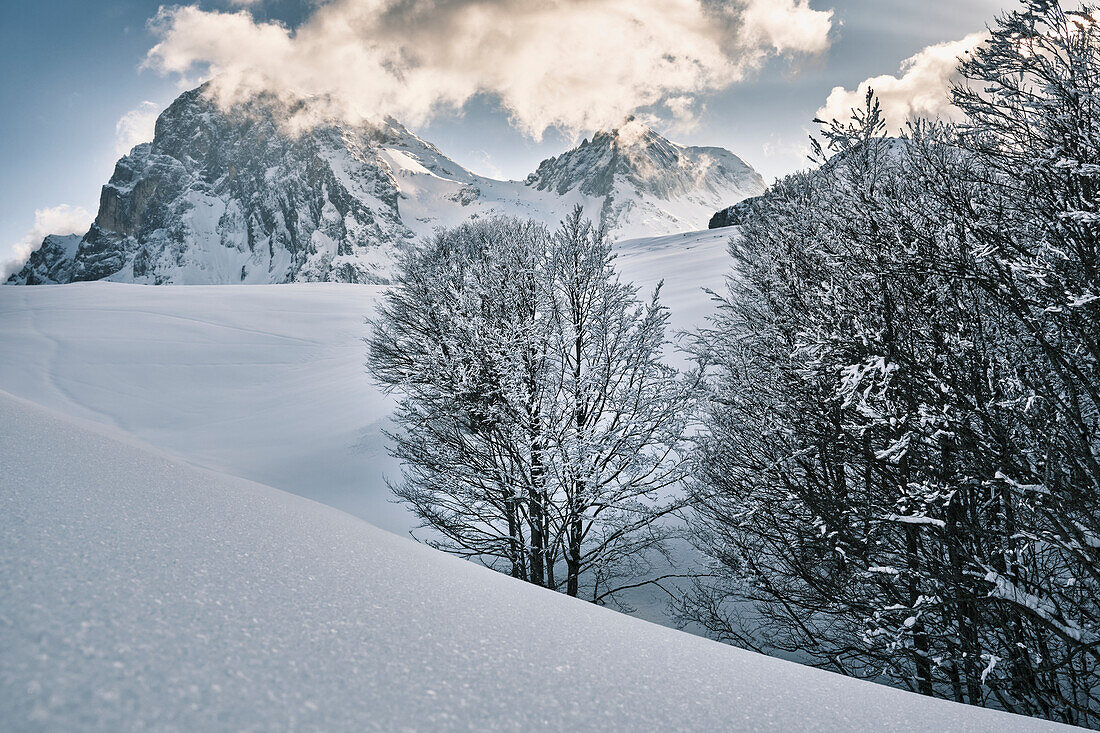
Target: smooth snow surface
(138,592)
(261,381)
(266,382)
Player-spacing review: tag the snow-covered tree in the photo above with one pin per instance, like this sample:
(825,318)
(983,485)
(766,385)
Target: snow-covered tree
(900,461)
(461,337)
(620,414)
(539,429)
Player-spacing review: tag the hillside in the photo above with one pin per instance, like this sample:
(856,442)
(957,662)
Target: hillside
(265,382)
(141,592)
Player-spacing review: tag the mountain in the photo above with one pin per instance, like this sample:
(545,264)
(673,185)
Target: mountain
(246,195)
(234,197)
(52,262)
(646,184)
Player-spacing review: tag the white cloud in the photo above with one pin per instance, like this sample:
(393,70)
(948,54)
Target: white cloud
(136,126)
(575,64)
(685,111)
(777,147)
(788,26)
(922,89)
(63,219)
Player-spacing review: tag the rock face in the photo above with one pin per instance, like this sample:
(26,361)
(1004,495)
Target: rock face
(223,197)
(735,215)
(50,263)
(240,195)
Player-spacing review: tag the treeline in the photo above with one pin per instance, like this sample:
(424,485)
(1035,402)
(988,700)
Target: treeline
(900,466)
(891,448)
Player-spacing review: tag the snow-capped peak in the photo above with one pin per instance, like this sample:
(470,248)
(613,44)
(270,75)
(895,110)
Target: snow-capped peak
(272,190)
(646,182)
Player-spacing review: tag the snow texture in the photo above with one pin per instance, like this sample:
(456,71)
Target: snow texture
(140,592)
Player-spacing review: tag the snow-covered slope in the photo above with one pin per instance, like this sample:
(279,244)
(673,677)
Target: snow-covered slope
(687,265)
(245,196)
(142,593)
(264,382)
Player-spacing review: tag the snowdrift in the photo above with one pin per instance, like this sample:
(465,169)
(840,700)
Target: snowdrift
(140,592)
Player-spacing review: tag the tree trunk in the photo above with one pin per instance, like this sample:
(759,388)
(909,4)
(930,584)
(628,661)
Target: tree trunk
(573,558)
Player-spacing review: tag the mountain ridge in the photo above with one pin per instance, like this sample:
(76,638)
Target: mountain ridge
(238,196)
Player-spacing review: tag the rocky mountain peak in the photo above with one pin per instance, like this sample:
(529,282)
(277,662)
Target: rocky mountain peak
(644,179)
(271,190)
(636,155)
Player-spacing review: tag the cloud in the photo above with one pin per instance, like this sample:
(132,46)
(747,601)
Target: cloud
(63,219)
(777,147)
(573,64)
(788,26)
(136,126)
(685,111)
(922,89)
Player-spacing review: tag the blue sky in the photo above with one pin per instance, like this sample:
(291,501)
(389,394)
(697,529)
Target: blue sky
(73,69)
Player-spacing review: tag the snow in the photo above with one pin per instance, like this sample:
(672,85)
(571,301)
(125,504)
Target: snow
(915,519)
(431,187)
(430,200)
(689,264)
(140,592)
(265,382)
(1004,589)
(261,381)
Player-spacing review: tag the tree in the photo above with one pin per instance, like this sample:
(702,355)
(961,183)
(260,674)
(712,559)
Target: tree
(902,432)
(1032,132)
(540,431)
(459,336)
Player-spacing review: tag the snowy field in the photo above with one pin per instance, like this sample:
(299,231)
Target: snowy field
(140,592)
(144,582)
(264,382)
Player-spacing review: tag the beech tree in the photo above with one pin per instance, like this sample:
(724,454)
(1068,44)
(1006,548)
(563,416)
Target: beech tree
(898,470)
(539,429)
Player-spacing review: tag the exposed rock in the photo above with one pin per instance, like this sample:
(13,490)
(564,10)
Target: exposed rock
(645,181)
(51,263)
(735,215)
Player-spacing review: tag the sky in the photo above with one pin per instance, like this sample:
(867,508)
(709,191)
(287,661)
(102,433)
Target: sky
(498,85)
